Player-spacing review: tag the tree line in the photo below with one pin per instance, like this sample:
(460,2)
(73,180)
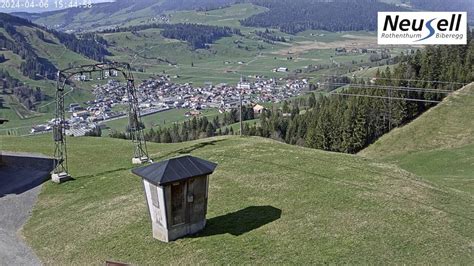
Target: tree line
(89,45)
(301,15)
(197,35)
(269,36)
(29,97)
(7,81)
(193,129)
(441,5)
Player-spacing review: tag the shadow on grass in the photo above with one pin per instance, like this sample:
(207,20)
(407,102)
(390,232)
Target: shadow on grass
(241,222)
(20,173)
(198,146)
(188,150)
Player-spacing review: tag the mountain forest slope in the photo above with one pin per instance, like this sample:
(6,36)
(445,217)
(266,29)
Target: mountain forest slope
(30,57)
(268,203)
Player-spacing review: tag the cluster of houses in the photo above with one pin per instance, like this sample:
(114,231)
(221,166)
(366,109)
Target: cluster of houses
(344,51)
(160,94)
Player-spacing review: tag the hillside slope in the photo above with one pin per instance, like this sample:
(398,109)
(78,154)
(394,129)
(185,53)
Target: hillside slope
(438,146)
(116,13)
(268,203)
(31,53)
(448,125)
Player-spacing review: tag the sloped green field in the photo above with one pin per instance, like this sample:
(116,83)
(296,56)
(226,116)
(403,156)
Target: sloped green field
(268,203)
(448,125)
(438,146)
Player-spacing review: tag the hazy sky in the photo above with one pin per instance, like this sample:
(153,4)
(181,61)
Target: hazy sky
(51,5)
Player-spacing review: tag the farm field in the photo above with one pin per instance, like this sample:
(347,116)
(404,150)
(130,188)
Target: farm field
(231,58)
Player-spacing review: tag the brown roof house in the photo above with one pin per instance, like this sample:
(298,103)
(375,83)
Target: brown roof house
(176,192)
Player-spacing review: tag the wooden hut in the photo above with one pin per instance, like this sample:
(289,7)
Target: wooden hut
(176,192)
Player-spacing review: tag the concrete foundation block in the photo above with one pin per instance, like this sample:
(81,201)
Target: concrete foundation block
(175,232)
(139,160)
(60,178)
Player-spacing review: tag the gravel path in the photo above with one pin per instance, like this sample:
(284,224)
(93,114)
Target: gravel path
(21,176)
(14,211)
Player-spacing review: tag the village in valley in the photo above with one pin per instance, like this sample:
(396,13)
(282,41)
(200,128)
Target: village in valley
(160,94)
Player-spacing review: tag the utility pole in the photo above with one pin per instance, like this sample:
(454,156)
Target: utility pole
(241,122)
(390,109)
(140,154)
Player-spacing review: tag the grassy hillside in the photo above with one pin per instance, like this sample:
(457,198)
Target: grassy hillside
(438,146)
(447,125)
(268,203)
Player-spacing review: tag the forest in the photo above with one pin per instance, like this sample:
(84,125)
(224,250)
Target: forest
(89,44)
(269,36)
(7,81)
(28,97)
(197,35)
(442,5)
(303,15)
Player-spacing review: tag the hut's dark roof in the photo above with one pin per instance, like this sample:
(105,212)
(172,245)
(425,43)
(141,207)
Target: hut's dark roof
(174,170)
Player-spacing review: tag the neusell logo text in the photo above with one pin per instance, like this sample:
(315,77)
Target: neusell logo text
(422,28)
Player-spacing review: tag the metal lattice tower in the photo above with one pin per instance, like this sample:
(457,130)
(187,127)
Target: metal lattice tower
(137,134)
(140,154)
(59,131)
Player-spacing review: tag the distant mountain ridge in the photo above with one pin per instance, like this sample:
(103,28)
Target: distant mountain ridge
(122,13)
(116,13)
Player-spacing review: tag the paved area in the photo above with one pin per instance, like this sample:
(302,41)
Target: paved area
(14,211)
(21,176)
